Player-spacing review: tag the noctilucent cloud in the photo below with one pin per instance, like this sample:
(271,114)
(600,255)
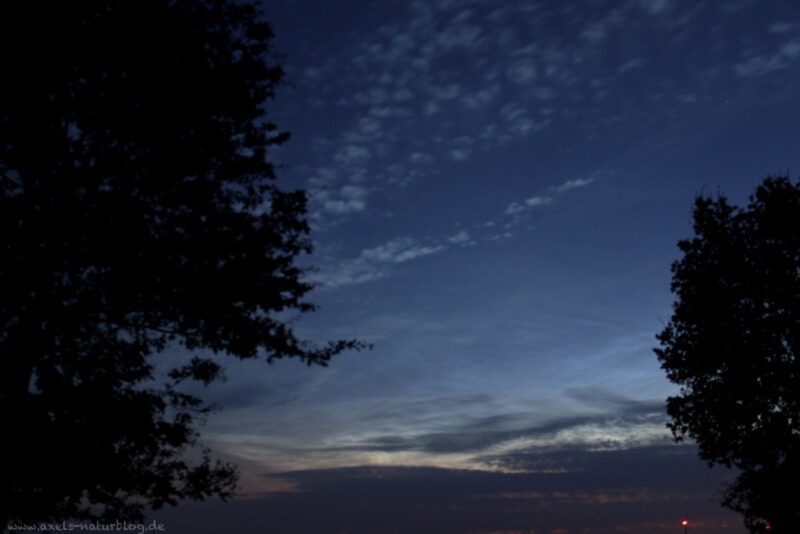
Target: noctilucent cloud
(496,193)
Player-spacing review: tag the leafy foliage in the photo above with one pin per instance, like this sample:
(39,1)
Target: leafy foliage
(138,210)
(732,344)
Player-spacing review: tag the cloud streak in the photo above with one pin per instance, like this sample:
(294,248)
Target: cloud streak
(372,263)
(636,424)
(518,209)
(463,431)
(379,262)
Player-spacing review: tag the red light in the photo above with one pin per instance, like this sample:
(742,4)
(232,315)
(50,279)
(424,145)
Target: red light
(769,527)
(685,523)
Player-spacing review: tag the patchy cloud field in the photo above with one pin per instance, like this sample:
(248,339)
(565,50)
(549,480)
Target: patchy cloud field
(496,190)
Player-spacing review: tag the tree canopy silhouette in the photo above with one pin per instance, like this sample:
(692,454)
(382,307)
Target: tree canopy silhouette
(732,345)
(138,210)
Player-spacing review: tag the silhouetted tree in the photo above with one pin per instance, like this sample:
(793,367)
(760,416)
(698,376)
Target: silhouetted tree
(137,210)
(732,344)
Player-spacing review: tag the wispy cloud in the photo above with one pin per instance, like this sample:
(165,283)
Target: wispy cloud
(380,261)
(464,431)
(574,184)
(636,424)
(460,238)
(762,64)
(533,202)
(631,64)
(516,209)
(399,250)
(372,263)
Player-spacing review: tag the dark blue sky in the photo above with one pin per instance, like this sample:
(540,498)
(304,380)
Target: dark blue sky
(497,189)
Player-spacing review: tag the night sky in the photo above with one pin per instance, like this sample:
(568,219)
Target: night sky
(496,193)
